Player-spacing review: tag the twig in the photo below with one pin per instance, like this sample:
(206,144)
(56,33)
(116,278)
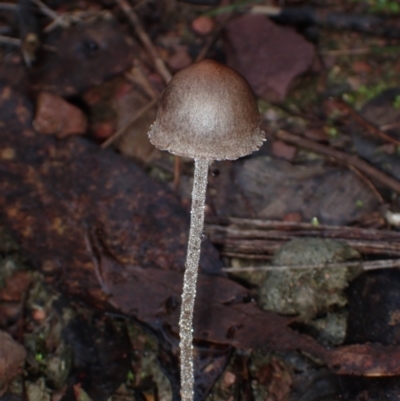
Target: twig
(251,247)
(271,11)
(8,6)
(135,117)
(388,127)
(210,41)
(17,42)
(46,10)
(248,256)
(10,41)
(371,265)
(345,52)
(139,4)
(137,76)
(29,31)
(368,182)
(257,228)
(259,239)
(352,160)
(373,131)
(135,21)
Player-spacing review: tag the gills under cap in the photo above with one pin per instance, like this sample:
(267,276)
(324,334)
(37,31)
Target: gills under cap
(208,111)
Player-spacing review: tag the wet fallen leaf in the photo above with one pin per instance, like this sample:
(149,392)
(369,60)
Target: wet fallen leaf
(279,386)
(268,55)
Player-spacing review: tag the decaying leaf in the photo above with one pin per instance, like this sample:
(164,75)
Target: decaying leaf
(268,55)
(12,356)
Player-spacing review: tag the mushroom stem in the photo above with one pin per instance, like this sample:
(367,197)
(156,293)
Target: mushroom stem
(190,277)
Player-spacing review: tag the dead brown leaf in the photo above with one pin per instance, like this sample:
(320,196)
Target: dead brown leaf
(279,387)
(12,356)
(268,55)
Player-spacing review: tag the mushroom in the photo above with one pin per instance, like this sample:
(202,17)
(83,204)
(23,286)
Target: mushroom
(207,112)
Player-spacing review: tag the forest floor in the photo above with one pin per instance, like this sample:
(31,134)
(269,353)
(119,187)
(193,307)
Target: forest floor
(297,296)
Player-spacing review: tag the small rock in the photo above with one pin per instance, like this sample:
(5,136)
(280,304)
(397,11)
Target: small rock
(55,116)
(281,149)
(229,379)
(37,391)
(203,25)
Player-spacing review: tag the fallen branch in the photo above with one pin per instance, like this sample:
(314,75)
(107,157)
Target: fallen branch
(260,239)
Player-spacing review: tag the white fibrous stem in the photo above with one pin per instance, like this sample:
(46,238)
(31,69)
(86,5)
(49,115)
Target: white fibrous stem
(190,278)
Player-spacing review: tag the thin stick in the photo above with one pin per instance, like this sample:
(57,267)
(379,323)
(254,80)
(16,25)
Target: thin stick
(135,117)
(349,52)
(137,76)
(372,265)
(352,160)
(372,130)
(368,182)
(10,41)
(270,230)
(9,6)
(135,21)
(211,40)
(190,278)
(263,224)
(46,10)
(388,127)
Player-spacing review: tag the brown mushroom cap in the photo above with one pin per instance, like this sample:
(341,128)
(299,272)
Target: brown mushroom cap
(208,111)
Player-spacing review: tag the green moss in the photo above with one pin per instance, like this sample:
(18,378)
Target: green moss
(381,6)
(308,292)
